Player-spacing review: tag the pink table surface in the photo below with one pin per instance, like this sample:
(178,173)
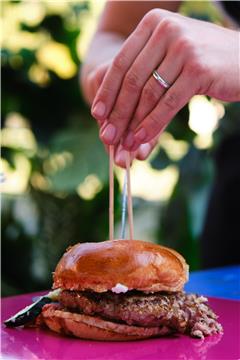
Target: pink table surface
(35,344)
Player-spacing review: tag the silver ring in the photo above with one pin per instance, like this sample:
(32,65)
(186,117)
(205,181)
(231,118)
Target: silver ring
(161,81)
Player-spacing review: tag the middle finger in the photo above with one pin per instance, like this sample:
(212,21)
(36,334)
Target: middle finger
(169,70)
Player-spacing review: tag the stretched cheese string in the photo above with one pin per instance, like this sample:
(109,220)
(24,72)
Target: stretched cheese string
(129,197)
(111,193)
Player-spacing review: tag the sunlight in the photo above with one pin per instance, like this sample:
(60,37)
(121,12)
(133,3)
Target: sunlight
(56,57)
(32,12)
(203,141)
(175,149)
(56,7)
(90,187)
(17,134)
(150,184)
(57,162)
(16,180)
(88,26)
(39,75)
(203,117)
(40,182)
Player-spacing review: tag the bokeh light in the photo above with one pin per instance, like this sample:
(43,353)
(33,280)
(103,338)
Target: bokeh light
(204,119)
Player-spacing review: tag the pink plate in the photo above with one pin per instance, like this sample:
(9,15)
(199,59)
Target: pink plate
(34,343)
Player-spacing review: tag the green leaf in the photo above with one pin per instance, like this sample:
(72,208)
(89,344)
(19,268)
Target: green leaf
(179,127)
(183,216)
(88,157)
(161,161)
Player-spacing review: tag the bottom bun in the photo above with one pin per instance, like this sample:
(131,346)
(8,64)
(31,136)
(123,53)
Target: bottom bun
(94,328)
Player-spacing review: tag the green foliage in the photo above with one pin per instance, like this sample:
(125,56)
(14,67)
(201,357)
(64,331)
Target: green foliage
(40,223)
(88,154)
(38,227)
(161,161)
(51,214)
(179,128)
(183,215)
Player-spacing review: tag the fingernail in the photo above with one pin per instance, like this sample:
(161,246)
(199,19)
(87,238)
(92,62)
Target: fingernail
(99,109)
(140,135)
(108,134)
(144,150)
(128,142)
(103,126)
(120,158)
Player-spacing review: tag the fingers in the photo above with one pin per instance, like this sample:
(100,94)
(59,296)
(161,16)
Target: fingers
(152,92)
(134,81)
(120,156)
(145,150)
(98,75)
(141,153)
(94,80)
(108,91)
(171,102)
(130,101)
(143,56)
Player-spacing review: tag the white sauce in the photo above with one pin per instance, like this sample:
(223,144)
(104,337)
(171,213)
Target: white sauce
(119,288)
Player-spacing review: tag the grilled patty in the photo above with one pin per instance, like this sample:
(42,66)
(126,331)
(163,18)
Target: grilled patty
(180,312)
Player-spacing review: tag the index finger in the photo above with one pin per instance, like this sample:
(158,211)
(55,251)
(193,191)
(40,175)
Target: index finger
(108,91)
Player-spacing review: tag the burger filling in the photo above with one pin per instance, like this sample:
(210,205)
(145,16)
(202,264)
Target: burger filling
(179,312)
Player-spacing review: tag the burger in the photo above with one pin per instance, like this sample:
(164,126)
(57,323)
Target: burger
(125,290)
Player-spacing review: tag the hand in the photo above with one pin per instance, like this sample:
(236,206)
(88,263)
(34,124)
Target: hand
(195,57)
(142,152)
(93,82)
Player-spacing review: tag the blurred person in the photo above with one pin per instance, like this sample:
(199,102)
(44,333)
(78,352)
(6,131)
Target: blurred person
(144,64)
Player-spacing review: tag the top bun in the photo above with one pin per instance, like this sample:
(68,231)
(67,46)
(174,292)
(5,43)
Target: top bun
(138,265)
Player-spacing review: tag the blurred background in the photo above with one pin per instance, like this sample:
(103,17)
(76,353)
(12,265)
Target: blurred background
(54,170)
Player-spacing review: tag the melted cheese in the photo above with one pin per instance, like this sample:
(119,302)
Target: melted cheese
(119,288)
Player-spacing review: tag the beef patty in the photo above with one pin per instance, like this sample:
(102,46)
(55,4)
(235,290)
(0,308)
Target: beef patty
(180,312)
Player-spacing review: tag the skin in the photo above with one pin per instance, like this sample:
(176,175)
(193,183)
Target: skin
(130,106)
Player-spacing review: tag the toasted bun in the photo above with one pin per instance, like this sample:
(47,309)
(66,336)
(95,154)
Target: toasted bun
(94,328)
(135,264)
